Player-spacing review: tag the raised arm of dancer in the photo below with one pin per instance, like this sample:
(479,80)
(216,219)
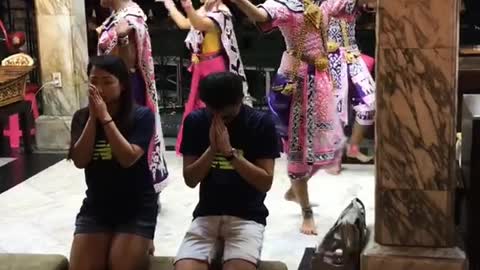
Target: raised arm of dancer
(181,21)
(338,7)
(116,41)
(127,49)
(368,6)
(253,12)
(199,22)
(82,140)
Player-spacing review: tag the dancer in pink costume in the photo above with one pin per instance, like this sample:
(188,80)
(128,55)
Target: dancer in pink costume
(125,34)
(302,94)
(213,45)
(349,71)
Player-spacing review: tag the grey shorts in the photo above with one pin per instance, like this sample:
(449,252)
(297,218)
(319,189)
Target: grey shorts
(243,239)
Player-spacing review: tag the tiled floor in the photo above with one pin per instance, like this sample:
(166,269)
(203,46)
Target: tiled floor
(37,216)
(5,160)
(21,167)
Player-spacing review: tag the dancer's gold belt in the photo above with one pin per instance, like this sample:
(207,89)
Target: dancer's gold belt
(332,46)
(320,62)
(197,58)
(351,54)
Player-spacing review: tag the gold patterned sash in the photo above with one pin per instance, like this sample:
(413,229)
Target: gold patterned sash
(314,17)
(352,54)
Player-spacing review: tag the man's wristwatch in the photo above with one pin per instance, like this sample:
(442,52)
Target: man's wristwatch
(232,155)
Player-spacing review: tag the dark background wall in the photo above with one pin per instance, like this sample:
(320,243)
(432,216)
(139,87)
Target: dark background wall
(259,52)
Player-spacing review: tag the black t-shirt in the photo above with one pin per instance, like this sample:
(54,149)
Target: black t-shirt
(224,191)
(115,193)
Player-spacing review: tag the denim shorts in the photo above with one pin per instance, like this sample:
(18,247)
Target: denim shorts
(142,224)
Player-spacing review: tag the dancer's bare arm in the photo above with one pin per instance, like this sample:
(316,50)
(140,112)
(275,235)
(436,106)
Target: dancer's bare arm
(83,142)
(181,21)
(338,8)
(127,51)
(199,22)
(195,169)
(371,4)
(253,12)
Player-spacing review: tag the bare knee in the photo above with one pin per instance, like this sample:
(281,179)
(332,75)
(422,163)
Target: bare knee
(89,252)
(85,263)
(191,265)
(239,265)
(128,263)
(129,252)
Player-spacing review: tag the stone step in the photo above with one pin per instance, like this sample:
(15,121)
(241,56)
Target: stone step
(59,262)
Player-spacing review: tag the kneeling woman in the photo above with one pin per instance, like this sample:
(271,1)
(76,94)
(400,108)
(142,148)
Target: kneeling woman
(109,140)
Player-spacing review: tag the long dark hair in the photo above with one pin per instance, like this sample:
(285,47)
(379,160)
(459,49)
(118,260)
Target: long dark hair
(125,116)
(117,67)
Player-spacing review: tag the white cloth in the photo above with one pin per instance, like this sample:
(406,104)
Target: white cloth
(243,239)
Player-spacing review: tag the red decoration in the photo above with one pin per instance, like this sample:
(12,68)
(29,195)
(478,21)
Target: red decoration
(14,40)
(17,39)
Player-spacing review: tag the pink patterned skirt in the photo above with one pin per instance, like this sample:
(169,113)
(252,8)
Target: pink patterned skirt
(315,135)
(353,75)
(208,64)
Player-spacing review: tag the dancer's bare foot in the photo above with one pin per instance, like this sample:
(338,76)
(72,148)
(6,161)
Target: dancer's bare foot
(290,196)
(308,225)
(353,151)
(151,248)
(335,170)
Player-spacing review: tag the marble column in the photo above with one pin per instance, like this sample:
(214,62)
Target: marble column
(62,43)
(417,63)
